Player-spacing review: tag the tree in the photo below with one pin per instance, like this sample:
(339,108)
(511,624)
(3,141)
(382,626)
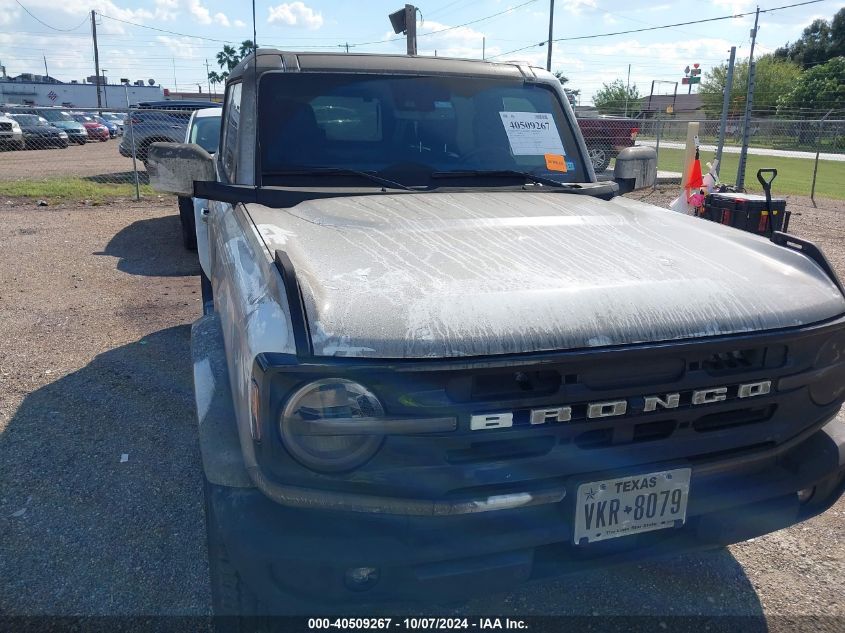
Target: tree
(774,78)
(612,97)
(820,42)
(571,95)
(228,58)
(818,90)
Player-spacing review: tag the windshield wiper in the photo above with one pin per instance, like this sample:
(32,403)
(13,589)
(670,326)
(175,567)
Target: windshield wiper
(340,171)
(504,173)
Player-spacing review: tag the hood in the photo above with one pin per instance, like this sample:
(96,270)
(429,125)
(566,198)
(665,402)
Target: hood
(481,273)
(40,129)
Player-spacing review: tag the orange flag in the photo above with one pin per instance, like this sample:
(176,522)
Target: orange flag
(695,180)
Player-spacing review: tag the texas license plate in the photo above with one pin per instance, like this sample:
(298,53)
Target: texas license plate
(630,505)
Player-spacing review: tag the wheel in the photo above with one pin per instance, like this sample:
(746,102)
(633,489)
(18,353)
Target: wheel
(189,228)
(599,155)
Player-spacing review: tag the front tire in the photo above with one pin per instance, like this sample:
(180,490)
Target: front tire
(189,228)
(599,155)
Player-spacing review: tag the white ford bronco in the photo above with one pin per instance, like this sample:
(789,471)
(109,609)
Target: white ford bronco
(438,358)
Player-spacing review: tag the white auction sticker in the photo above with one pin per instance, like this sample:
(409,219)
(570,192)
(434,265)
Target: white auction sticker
(532,133)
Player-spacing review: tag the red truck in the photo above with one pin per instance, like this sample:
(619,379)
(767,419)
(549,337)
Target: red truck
(606,136)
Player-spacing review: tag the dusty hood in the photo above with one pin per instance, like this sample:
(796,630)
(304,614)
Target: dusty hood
(469,274)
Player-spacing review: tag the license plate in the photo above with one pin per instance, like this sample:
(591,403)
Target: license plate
(629,505)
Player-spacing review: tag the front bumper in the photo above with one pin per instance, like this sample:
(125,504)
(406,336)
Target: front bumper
(285,550)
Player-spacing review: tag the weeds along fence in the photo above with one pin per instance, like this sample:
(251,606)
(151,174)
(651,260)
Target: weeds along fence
(55,152)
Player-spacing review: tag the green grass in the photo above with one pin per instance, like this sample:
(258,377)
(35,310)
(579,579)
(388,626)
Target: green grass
(70,189)
(795,175)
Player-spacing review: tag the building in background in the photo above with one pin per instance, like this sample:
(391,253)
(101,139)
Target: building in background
(687,107)
(41,90)
(192,96)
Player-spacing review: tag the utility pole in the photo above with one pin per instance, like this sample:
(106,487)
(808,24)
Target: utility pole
(627,90)
(175,85)
(96,62)
(749,103)
(551,34)
(411,26)
(405,21)
(483,48)
(726,104)
(46,72)
(208,76)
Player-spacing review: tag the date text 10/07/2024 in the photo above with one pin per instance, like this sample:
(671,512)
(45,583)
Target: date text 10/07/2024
(415,624)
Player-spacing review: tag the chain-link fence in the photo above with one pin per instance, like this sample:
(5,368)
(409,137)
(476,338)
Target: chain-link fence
(808,154)
(106,151)
(88,150)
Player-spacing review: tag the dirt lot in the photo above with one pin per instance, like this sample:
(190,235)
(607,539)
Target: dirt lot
(101,160)
(100,480)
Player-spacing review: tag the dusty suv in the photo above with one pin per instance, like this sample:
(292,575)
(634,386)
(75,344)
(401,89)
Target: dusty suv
(438,358)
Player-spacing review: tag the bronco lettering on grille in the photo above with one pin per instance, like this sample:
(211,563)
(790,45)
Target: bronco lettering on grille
(618,407)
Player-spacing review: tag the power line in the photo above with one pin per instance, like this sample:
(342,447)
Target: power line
(42,22)
(655,28)
(451,28)
(155,28)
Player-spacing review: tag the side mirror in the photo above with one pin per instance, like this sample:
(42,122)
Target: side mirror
(636,168)
(173,167)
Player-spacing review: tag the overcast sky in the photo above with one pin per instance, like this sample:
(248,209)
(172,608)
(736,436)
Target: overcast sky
(135,52)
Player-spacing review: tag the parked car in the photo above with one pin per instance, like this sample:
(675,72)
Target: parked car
(438,358)
(108,123)
(11,135)
(96,131)
(204,130)
(38,134)
(117,119)
(75,131)
(606,136)
(157,121)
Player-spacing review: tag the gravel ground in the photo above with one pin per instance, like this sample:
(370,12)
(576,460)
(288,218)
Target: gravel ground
(95,304)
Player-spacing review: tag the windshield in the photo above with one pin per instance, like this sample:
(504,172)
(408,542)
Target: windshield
(412,127)
(28,119)
(55,115)
(83,118)
(205,132)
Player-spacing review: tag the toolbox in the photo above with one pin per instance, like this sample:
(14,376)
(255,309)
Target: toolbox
(756,214)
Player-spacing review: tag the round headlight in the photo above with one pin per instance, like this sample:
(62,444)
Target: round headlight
(329,399)
(830,386)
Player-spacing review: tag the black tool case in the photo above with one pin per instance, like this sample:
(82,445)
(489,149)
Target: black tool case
(756,214)
(747,212)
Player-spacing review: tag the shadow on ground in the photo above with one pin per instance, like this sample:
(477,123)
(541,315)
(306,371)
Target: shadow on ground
(84,532)
(120,177)
(153,248)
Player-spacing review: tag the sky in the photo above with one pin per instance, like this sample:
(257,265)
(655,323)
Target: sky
(129,47)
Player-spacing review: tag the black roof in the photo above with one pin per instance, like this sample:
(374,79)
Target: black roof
(274,59)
